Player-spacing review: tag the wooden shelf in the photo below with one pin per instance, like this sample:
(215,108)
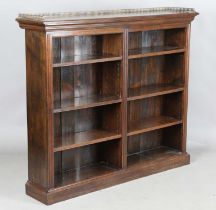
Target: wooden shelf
(152,123)
(147,157)
(86,138)
(153,51)
(152,90)
(86,102)
(92,171)
(85,59)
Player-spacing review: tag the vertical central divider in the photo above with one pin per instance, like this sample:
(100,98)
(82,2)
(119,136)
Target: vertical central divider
(124,81)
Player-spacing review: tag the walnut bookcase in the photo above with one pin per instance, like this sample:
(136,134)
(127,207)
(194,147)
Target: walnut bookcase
(106,97)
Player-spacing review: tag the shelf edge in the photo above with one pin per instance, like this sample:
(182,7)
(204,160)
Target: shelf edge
(151,54)
(73,108)
(149,95)
(144,130)
(96,141)
(91,61)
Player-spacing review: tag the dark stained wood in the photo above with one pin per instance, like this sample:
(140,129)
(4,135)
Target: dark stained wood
(87,162)
(173,136)
(169,136)
(153,51)
(145,141)
(86,138)
(38,110)
(111,153)
(152,123)
(106,98)
(87,59)
(124,93)
(158,40)
(93,171)
(159,70)
(87,31)
(102,123)
(152,90)
(50,99)
(154,108)
(185,93)
(78,158)
(147,157)
(77,50)
(86,86)
(117,177)
(84,102)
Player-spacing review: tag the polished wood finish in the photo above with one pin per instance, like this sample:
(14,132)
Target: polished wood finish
(117,177)
(106,98)
(86,172)
(38,108)
(86,49)
(147,91)
(87,59)
(153,51)
(152,123)
(86,86)
(84,102)
(86,138)
(160,153)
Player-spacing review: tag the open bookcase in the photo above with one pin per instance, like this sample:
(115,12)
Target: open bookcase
(106,104)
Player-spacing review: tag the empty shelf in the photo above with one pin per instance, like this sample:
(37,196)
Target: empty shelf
(86,102)
(153,51)
(84,173)
(85,59)
(152,123)
(152,90)
(86,138)
(152,156)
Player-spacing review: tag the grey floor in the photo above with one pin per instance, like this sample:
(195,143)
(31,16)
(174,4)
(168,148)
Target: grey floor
(190,187)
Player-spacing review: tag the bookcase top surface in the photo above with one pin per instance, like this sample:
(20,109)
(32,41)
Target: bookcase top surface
(101,14)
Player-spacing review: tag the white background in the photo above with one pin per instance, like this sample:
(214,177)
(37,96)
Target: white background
(189,187)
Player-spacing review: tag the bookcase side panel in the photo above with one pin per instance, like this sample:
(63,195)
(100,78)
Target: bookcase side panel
(38,109)
(185,93)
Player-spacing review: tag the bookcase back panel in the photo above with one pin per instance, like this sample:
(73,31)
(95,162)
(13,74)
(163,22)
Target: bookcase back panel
(89,121)
(156,70)
(142,142)
(75,83)
(173,137)
(156,38)
(74,48)
(76,158)
(166,137)
(87,162)
(166,105)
